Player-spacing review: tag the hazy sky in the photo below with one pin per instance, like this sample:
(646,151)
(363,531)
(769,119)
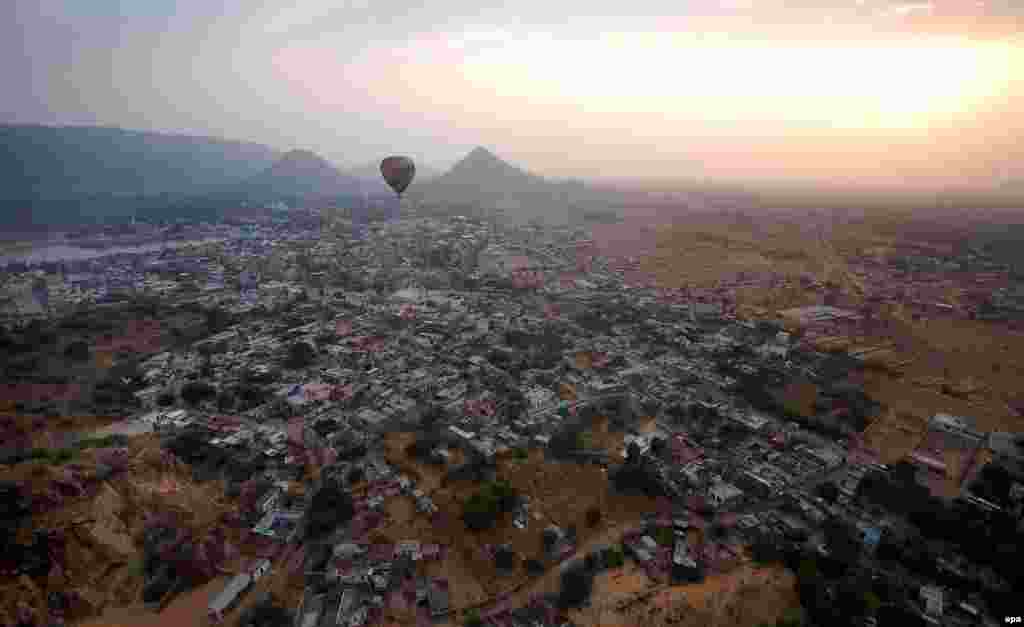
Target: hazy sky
(870,90)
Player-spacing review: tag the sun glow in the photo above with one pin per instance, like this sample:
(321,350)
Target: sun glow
(851,86)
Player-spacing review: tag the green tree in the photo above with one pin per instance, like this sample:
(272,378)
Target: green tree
(616,558)
(664,536)
(872,602)
(77,351)
(584,440)
(300,355)
(808,570)
(792,617)
(764,551)
(197,391)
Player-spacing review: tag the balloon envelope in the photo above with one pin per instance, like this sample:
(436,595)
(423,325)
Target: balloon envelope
(398,172)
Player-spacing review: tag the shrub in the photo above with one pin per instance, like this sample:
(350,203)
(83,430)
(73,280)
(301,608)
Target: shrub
(664,536)
(577,585)
(300,355)
(616,558)
(196,392)
(473,618)
(481,510)
(355,475)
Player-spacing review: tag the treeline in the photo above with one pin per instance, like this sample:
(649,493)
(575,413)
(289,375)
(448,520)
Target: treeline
(985,537)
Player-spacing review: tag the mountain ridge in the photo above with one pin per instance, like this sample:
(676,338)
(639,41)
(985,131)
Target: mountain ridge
(69,174)
(481,182)
(302,173)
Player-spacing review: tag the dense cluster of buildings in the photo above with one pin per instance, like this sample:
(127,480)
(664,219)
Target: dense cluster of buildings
(497,342)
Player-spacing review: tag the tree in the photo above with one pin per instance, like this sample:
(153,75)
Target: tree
(577,584)
(355,475)
(570,532)
(165,400)
(616,558)
(828,491)
(633,454)
(265,612)
(226,401)
(330,506)
(300,355)
(473,618)
(534,567)
(792,617)
(77,351)
(549,538)
(505,558)
(664,536)
(481,510)
(584,440)
(658,446)
(197,391)
(764,551)
(842,543)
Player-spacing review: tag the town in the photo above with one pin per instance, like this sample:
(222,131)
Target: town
(451,420)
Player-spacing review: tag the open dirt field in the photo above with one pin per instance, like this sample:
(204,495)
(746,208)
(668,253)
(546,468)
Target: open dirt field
(100,526)
(560,493)
(701,254)
(745,596)
(960,367)
(963,367)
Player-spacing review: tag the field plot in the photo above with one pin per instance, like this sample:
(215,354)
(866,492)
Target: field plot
(560,493)
(744,596)
(98,526)
(705,253)
(923,367)
(961,367)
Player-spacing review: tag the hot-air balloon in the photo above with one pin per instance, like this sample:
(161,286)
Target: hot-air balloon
(398,173)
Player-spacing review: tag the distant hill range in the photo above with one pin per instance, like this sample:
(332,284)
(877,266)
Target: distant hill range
(483,184)
(300,174)
(69,174)
(62,175)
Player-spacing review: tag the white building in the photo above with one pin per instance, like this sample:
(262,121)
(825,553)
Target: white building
(538,398)
(722,493)
(933,599)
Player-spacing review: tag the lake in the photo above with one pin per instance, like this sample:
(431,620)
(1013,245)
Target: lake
(64,252)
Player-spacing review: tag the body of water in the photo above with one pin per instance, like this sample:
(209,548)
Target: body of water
(63,252)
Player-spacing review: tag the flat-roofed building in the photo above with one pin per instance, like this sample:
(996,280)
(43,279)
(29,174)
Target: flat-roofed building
(224,601)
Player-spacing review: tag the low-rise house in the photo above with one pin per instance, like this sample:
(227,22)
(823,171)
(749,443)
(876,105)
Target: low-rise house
(410,548)
(933,599)
(348,550)
(259,569)
(438,598)
(722,493)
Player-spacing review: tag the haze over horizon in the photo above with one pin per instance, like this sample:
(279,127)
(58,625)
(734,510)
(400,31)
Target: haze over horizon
(873,91)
